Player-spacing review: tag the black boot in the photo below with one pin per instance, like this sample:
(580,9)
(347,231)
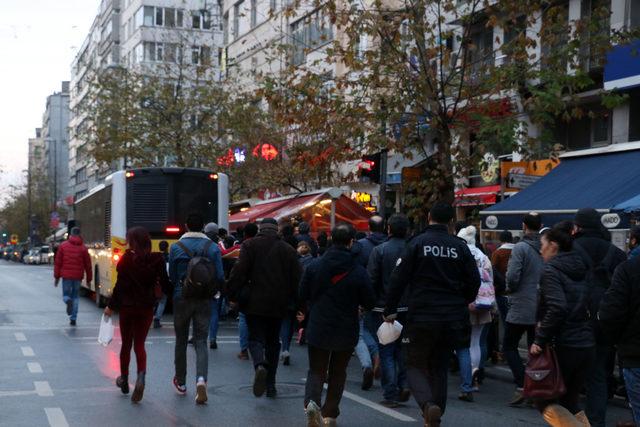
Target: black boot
(123,382)
(138,391)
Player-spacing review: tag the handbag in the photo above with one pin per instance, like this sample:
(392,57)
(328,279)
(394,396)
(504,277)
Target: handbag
(543,379)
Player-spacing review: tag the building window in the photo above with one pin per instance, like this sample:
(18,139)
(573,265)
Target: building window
(273,5)
(170,17)
(159,52)
(236,20)
(201,19)
(81,175)
(591,130)
(633,10)
(309,33)
(200,55)
(159,16)
(254,13)
(149,12)
(480,55)
(225,29)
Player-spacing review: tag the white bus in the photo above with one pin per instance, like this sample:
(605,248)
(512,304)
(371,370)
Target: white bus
(158,199)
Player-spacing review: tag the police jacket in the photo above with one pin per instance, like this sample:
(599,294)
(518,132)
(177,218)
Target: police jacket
(441,275)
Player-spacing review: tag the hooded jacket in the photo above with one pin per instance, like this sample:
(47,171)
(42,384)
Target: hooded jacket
(72,260)
(137,277)
(333,287)
(363,247)
(179,260)
(619,313)
(523,278)
(265,279)
(563,313)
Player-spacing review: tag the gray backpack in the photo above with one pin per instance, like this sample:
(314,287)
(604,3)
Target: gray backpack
(200,280)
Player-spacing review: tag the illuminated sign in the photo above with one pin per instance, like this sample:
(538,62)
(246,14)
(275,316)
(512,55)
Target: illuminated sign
(266,151)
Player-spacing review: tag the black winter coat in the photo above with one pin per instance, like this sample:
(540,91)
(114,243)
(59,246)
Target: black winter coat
(441,275)
(137,277)
(382,262)
(363,247)
(619,313)
(604,257)
(333,287)
(563,309)
(265,279)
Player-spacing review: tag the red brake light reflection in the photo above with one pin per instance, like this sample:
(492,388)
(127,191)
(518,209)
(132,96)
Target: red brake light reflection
(129,174)
(172,229)
(116,258)
(213,176)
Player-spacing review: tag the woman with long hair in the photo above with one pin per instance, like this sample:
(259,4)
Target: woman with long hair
(564,323)
(134,296)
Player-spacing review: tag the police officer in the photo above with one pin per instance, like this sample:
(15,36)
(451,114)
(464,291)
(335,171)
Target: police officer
(443,280)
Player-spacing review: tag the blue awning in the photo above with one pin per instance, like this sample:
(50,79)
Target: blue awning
(602,181)
(622,69)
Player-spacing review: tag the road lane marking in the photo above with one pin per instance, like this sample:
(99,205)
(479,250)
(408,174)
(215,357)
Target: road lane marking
(56,417)
(43,388)
(27,351)
(17,393)
(34,367)
(20,336)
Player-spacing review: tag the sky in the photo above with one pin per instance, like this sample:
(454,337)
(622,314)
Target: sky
(38,41)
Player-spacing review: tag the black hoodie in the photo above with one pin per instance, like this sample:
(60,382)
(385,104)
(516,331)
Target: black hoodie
(563,310)
(333,287)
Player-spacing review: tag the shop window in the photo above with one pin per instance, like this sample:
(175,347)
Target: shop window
(634,117)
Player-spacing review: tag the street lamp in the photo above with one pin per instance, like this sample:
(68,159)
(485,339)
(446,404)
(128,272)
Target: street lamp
(335,194)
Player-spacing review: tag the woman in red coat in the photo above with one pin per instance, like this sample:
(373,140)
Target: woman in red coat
(134,296)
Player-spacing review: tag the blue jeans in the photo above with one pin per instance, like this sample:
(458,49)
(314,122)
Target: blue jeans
(243,331)
(394,372)
(286,332)
(367,347)
(71,291)
(160,308)
(464,360)
(215,319)
(632,381)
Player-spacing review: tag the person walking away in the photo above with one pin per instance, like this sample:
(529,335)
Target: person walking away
(593,241)
(323,242)
(523,278)
(442,280)
(288,323)
(382,261)
(304,236)
(134,297)
(188,309)
(564,322)
(333,287)
(211,231)
(162,303)
(472,359)
(619,318)
(500,262)
(287,234)
(72,263)
(250,231)
(264,282)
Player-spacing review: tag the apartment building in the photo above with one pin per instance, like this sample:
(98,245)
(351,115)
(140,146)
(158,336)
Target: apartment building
(37,159)
(151,36)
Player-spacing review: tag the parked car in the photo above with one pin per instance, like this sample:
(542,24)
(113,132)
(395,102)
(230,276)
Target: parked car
(32,257)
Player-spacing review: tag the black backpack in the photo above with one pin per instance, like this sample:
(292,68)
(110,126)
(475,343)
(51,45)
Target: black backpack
(200,280)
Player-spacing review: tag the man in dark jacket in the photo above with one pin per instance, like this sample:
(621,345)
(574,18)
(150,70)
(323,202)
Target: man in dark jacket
(592,240)
(333,287)
(72,263)
(524,271)
(304,236)
(264,282)
(381,263)
(363,247)
(442,280)
(619,317)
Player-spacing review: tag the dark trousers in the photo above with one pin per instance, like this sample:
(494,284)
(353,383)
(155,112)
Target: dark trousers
(184,311)
(512,335)
(134,326)
(575,366)
(427,347)
(321,363)
(264,343)
(597,386)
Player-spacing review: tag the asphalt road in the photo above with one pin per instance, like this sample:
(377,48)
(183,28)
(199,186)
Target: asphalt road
(55,375)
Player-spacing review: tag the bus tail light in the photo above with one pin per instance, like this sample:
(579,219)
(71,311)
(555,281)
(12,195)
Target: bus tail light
(116,258)
(213,176)
(129,174)
(172,229)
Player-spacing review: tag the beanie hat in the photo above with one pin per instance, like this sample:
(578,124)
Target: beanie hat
(588,218)
(212,227)
(268,224)
(468,234)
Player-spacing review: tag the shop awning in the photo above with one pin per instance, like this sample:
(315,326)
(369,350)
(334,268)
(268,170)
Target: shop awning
(601,181)
(487,195)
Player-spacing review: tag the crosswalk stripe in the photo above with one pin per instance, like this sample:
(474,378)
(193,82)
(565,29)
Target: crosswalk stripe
(56,417)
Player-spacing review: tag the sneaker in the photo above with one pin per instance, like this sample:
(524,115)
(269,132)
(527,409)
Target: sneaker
(432,415)
(260,381)
(138,390)
(286,359)
(181,389)
(405,395)
(367,378)
(69,307)
(387,403)
(157,324)
(518,398)
(190,341)
(123,382)
(201,391)
(314,419)
(475,380)
(466,396)
(72,322)
(272,392)
(243,355)
(213,345)
(329,422)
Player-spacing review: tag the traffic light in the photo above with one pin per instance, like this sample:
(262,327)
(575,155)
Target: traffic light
(369,168)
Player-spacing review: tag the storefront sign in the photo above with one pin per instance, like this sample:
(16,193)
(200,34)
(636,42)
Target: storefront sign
(521,181)
(610,220)
(491,222)
(364,199)
(533,168)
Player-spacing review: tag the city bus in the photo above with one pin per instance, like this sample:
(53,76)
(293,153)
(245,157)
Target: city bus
(158,199)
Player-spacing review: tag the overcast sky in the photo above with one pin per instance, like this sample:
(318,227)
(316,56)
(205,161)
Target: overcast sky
(38,41)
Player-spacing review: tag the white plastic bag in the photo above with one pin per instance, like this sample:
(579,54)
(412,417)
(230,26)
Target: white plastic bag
(389,332)
(105,336)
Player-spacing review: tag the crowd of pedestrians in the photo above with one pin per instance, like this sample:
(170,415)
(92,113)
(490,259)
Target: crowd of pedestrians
(565,287)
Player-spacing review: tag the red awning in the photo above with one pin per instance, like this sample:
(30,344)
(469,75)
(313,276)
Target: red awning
(477,196)
(251,214)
